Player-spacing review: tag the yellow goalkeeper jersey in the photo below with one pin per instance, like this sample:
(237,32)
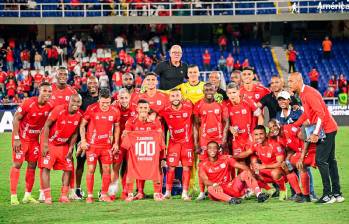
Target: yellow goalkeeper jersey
(192,93)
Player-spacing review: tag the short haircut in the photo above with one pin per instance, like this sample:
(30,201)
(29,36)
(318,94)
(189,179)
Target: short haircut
(236,71)
(128,73)
(150,74)
(233,85)
(208,84)
(273,120)
(123,90)
(174,90)
(90,78)
(248,68)
(142,101)
(44,84)
(75,95)
(260,127)
(192,66)
(215,72)
(214,142)
(104,93)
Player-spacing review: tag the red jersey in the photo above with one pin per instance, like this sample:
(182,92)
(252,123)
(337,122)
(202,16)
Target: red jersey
(292,55)
(268,152)
(38,77)
(125,114)
(220,170)
(65,125)
(241,116)
(256,94)
(34,118)
(206,58)
(100,124)
(156,102)
(3,76)
(144,150)
(179,122)
(61,96)
(211,116)
(230,61)
(313,76)
(134,124)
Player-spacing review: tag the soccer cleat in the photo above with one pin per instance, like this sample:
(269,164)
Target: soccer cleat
(41,196)
(271,192)
(129,198)
(283,195)
(73,196)
(158,197)
(234,201)
(186,197)
(262,197)
(48,201)
(293,197)
(299,198)
(339,198)
(139,196)
(79,193)
(248,195)
(167,195)
(313,197)
(64,199)
(326,199)
(105,198)
(14,200)
(89,200)
(29,199)
(201,196)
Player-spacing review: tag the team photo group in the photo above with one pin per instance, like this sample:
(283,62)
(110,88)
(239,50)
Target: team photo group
(231,142)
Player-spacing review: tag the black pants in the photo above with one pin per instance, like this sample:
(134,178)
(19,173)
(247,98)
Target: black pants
(327,164)
(291,66)
(327,54)
(314,84)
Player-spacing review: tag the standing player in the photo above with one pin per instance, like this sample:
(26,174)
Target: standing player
(61,91)
(141,122)
(28,121)
(57,142)
(241,113)
(267,161)
(212,122)
(100,140)
(127,111)
(178,117)
(128,82)
(216,174)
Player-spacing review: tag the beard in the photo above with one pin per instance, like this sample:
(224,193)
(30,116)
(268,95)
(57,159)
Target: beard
(129,87)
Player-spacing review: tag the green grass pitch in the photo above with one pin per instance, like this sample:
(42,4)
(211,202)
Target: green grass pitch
(170,211)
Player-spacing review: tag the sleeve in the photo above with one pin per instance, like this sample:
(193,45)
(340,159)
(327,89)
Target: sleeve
(231,162)
(160,141)
(196,109)
(23,109)
(300,120)
(87,114)
(128,125)
(126,142)
(254,108)
(158,69)
(157,124)
(117,115)
(54,114)
(316,106)
(225,113)
(264,100)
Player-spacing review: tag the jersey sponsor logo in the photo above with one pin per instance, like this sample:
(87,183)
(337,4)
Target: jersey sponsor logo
(289,140)
(178,131)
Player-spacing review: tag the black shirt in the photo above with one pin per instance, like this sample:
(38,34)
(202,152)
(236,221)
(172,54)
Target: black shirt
(223,93)
(87,100)
(272,104)
(171,76)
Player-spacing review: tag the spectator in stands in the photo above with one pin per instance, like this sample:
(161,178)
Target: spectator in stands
(230,63)
(206,59)
(342,84)
(164,43)
(78,52)
(236,42)
(63,44)
(292,56)
(330,92)
(236,77)
(11,88)
(245,64)
(3,77)
(25,59)
(10,59)
(222,63)
(172,72)
(37,60)
(222,43)
(333,83)
(237,65)
(327,47)
(48,42)
(314,78)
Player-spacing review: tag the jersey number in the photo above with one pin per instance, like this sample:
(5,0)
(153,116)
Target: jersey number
(145,148)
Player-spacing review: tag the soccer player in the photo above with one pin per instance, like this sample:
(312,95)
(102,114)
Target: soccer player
(57,142)
(212,122)
(100,141)
(192,90)
(216,174)
(128,82)
(241,112)
(61,91)
(127,111)
(267,161)
(300,155)
(141,122)
(179,118)
(28,121)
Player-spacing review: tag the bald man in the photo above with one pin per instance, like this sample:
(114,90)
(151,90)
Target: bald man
(316,113)
(172,72)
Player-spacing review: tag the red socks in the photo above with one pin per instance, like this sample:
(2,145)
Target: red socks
(130,188)
(157,186)
(105,183)
(169,179)
(14,176)
(305,183)
(281,183)
(29,179)
(293,180)
(201,185)
(90,179)
(123,183)
(264,185)
(186,179)
(140,186)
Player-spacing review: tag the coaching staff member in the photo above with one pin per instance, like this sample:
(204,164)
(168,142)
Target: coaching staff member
(172,72)
(316,112)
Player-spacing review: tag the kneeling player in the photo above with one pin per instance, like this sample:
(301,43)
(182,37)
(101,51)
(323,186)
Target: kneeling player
(267,161)
(216,174)
(57,141)
(100,140)
(178,116)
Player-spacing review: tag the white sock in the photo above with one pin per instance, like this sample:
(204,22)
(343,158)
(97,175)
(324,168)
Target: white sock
(26,194)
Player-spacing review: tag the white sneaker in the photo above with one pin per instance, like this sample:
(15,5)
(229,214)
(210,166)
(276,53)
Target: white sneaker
(186,197)
(167,195)
(72,195)
(41,196)
(201,196)
(339,198)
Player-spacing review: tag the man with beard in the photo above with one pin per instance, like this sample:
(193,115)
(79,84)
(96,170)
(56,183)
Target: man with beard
(61,91)
(128,82)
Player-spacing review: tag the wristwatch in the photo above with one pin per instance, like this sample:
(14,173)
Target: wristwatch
(16,137)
